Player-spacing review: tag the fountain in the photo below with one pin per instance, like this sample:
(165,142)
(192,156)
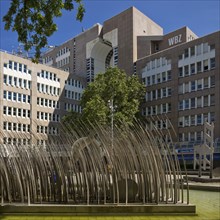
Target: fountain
(84,171)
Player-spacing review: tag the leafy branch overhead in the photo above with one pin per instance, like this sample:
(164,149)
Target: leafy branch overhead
(34,20)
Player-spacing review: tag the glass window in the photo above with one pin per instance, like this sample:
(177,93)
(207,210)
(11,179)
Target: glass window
(205,48)
(199,67)
(205,65)
(193,120)
(206,82)
(199,84)
(212,79)
(186,70)
(187,87)
(187,104)
(181,72)
(199,102)
(212,99)
(186,53)
(212,63)
(192,51)
(206,101)
(193,86)
(193,103)
(192,68)
(198,49)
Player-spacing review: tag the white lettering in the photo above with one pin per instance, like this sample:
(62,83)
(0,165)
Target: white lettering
(175,40)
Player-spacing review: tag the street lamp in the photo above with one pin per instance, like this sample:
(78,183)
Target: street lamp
(112,108)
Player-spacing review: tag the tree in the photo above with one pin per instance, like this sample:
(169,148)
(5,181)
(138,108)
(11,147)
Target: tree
(33,20)
(112,89)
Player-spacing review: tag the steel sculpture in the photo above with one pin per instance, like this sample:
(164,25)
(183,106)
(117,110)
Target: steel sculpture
(80,167)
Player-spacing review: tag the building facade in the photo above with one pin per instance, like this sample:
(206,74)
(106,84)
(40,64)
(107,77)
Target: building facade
(180,71)
(33,100)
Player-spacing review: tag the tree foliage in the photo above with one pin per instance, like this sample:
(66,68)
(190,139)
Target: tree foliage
(33,20)
(112,89)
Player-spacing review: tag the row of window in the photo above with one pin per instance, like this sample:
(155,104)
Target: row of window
(16,141)
(72,95)
(197,102)
(18,82)
(90,69)
(47,59)
(196,85)
(74,82)
(159,124)
(18,127)
(162,61)
(191,136)
(50,90)
(196,50)
(17,112)
(17,97)
(157,109)
(48,116)
(198,67)
(48,75)
(194,120)
(157,78)
(48,103)
(17,67)
(62,51)
(158,94)
(73,107)
(63,62)
(47,130)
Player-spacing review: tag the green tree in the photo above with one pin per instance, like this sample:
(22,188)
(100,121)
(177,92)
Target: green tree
(33,20)
(112,89)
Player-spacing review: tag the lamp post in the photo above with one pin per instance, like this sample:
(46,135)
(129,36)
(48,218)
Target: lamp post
(111,106)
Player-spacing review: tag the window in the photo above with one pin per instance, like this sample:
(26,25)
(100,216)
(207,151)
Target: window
(192,51)
(181,105)
(186,121)
(199,84)
(169,75)
(193,120)
(199,119)
(212,47)
(212,99)
(187,87)
(192,68)
(212,79)
(205,48)
(181,72)
(187,104)
(199,102)
(158,78)
(164,78)
(10,64)
(5,79)
(193,103)
(181,89)
(193,86)
(206,101)
(164,91)
(186,53)
(205,65)
(198,49)
(212,63)
(206,82)
(186,70)
(199,67)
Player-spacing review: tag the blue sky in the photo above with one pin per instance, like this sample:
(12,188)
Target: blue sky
(201,16)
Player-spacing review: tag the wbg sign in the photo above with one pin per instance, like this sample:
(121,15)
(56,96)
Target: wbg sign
(175,40)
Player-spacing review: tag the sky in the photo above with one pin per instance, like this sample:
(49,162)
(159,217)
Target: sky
(201,16)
